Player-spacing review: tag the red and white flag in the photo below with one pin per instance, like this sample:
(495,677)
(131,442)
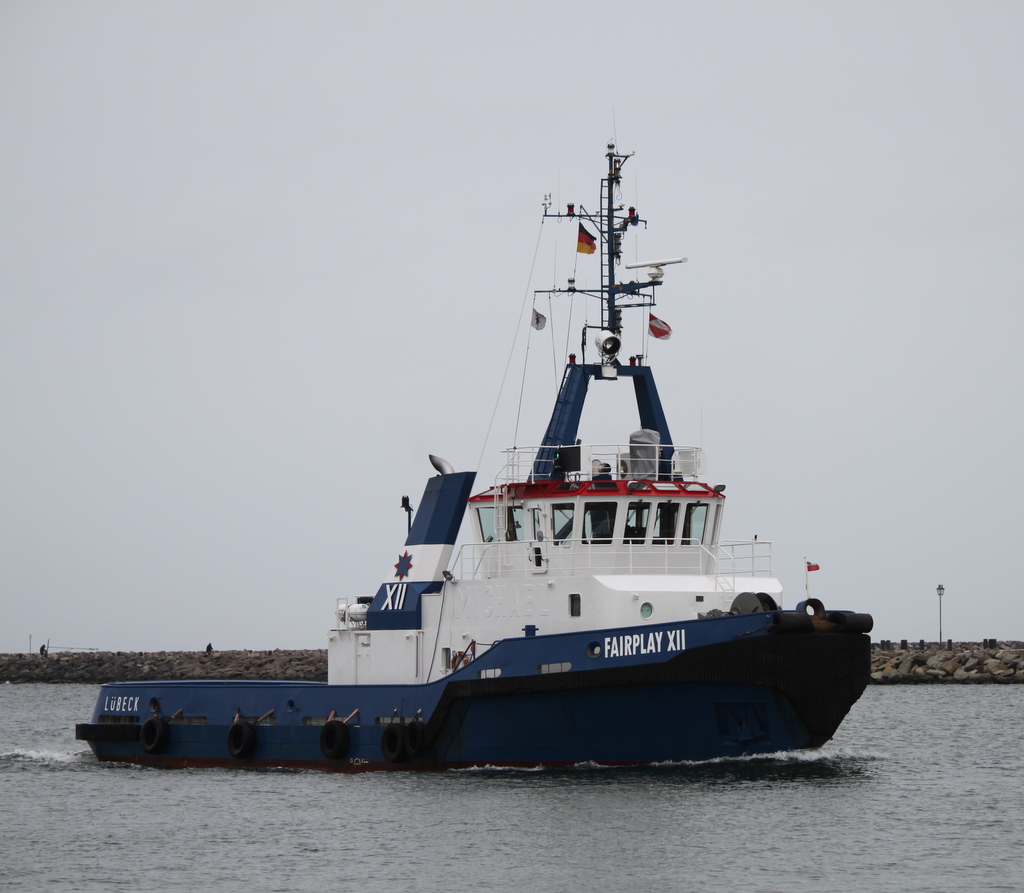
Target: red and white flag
(659,328)
(813,567)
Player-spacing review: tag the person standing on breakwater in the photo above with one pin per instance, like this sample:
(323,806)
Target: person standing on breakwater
(209,647)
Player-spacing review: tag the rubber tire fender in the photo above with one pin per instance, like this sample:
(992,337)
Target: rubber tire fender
(241,739)
(155,735)
(415,738)
(334,739)
(392,743)
(851,622)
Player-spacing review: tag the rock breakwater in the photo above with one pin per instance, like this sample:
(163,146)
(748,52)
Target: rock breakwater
(133,666)
(965,662)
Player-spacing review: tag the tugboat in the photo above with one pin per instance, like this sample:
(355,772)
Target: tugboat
(593,615)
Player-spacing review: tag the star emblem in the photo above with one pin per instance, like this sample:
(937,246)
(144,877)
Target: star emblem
(404,565)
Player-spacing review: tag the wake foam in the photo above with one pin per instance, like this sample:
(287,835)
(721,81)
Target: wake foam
(830,756)
(21,755)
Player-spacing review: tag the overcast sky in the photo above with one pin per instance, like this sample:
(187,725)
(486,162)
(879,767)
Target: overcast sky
(257,260)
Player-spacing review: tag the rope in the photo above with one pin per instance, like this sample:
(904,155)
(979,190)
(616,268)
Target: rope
(511,353)
(522,382)
(554,357)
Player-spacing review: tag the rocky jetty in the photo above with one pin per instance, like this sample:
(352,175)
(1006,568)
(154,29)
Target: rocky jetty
(133,666)
(966,662)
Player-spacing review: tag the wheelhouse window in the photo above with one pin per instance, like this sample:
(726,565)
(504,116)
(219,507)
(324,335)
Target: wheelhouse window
(693,525)
(561,521)
(486,516)
(514,523)
(598,522)
(637,514)
(666,517)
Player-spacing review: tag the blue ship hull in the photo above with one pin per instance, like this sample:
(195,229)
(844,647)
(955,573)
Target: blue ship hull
(740,686)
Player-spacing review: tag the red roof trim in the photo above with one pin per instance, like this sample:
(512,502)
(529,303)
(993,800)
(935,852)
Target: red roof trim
(550,489)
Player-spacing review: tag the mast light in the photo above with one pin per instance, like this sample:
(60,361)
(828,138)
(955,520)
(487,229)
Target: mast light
(608,344)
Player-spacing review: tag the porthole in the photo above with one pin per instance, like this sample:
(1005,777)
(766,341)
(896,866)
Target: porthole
(594,650)
(646,610)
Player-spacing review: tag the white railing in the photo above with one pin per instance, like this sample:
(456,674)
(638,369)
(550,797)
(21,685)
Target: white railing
(482,561)
(596,459)
(745,558)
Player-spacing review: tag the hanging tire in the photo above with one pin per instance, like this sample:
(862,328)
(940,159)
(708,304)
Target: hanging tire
(241,739)
(414,738)
(334,740)
(155,735)
(392,743)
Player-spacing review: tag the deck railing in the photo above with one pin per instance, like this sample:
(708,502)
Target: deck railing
(730,559)
(617,459)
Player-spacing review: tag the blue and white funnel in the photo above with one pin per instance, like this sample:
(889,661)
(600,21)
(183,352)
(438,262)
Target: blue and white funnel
(428,549)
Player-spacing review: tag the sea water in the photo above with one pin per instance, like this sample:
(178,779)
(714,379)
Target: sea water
(921,790)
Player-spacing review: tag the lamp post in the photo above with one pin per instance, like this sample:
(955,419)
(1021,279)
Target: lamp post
(940,589)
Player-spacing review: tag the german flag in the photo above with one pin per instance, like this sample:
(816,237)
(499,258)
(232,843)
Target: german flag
(585,244)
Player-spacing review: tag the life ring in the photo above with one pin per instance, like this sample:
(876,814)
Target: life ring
(392,743)
(241,739)
(334,739)
(155,735)
(414,737)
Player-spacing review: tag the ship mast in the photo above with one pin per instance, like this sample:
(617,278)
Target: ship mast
(611,224)
(611,242)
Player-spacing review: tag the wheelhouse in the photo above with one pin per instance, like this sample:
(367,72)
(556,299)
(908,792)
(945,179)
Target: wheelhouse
(599,513)
(626,522)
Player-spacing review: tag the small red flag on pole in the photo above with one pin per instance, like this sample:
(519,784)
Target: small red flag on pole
(808,567)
